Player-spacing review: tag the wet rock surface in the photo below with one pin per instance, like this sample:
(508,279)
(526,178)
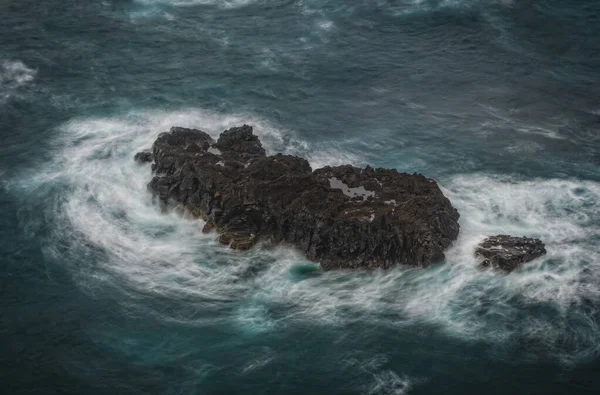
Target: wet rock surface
(507,252)
(342,217)
(143,157)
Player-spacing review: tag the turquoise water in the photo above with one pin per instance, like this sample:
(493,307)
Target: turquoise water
(101,293)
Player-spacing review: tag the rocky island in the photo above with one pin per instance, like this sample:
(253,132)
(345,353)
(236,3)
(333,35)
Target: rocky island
(341,217)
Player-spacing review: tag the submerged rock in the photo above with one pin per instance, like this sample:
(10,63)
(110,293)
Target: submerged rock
(507,252)
(343,217)
(143,157)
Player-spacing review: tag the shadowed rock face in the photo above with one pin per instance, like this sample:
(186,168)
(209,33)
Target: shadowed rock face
(143,157)
(342,217)
(507,252)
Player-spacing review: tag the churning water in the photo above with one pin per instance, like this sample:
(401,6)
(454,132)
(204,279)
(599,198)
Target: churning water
(101,292)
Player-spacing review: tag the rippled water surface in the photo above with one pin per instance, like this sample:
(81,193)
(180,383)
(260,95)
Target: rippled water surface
(498,100)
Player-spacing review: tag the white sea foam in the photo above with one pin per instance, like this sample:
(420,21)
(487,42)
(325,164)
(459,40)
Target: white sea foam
(106,214)
(107,205)
(405,7)
(507,120)
(384,381)
(325,25)
(260,360)
(466,301)
(13,75)
(189,3)
(389,383)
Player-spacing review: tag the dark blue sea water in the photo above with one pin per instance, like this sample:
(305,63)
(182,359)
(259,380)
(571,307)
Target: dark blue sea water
(100,293)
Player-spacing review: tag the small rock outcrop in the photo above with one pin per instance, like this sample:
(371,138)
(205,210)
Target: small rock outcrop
(342,217)
(507,252)
(143,157)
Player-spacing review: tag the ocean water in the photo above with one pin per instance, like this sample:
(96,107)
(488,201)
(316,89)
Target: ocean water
(498,100)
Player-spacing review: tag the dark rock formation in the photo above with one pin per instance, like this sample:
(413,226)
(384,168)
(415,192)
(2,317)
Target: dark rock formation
(507,252)
(343,217)
(143,157)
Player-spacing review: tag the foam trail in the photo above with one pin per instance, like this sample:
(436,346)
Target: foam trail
(468,302)
(407,7)
(190,3)
(384,381)
(13,76)
(106,215)
(106,206)
(388,382)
